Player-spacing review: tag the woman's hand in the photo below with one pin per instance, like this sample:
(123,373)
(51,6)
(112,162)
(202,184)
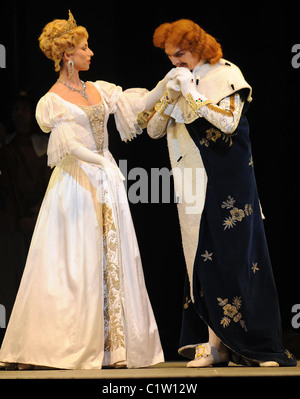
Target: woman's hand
(169,76)
(155,94)
(112,170)
(86,155)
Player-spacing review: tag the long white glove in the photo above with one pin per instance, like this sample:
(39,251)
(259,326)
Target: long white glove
(173,86)
(173,89)
(155,94)
(165,105)
(189,90)
(111,170)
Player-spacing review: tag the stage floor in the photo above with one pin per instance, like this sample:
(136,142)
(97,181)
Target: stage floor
(166,370)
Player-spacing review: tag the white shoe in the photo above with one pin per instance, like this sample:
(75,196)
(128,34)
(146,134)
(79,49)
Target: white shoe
(268,364)
(207,355)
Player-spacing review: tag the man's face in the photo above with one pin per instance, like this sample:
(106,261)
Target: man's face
(181,58)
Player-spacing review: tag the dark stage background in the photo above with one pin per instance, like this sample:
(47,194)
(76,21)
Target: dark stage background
(253,36)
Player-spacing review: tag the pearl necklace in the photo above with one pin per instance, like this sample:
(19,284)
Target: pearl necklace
(82,91)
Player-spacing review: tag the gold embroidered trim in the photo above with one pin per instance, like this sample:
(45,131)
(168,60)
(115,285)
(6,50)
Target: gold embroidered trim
(196,103)
(162,105)
(219,110)
(232,104)
(113,319)
(225,112)
(151,116)
(95,113)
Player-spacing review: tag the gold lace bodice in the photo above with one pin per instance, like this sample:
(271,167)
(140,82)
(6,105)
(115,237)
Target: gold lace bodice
(96,114)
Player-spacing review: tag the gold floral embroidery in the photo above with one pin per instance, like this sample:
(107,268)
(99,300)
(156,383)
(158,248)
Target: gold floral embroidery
(231,312)
(187,302)
(113,320)
(236,215)
(288,353)
(212,135)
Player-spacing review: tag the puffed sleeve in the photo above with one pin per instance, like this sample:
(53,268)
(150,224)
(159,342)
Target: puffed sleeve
(126,106)
(52,116)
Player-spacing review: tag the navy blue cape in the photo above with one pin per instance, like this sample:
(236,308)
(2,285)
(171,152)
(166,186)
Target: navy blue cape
(233,284)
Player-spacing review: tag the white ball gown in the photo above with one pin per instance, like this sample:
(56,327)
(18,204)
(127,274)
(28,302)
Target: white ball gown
(82,302)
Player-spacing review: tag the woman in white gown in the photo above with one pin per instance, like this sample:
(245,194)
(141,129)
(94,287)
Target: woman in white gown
(82,302)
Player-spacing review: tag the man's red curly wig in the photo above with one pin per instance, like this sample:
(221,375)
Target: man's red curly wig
(187,35)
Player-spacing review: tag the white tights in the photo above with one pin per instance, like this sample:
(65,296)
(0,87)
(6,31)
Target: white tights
(215,341)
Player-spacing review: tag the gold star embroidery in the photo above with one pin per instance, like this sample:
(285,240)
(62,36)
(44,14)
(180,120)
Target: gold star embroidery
(254,267)
(207,256)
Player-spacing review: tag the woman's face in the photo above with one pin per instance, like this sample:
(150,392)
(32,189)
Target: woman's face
(82,56)
(181,58)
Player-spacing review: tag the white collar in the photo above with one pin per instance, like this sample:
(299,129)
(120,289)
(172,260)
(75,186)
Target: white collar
(204,66)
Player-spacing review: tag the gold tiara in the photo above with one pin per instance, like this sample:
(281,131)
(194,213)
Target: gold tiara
(70,26)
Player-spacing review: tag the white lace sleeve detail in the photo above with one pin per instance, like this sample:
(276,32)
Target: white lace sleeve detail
(125,105)
(226,115)
(129,106)
(66,135)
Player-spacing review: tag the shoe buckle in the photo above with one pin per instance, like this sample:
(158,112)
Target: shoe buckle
(198,350)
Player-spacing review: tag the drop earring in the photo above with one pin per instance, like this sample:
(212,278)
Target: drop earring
(70,68)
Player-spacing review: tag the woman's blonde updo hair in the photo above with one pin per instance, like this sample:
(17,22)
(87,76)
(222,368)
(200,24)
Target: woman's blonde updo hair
(187,35)
(57,38)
